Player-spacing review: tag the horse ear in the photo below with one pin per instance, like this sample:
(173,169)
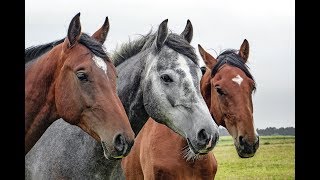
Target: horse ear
(209,60)
(244,50)
(187,33)
(101,34)
(74,30)
(162,34)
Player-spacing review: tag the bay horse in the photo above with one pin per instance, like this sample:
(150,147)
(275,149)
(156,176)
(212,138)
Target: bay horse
(226,86)
(74,79)
(159,77)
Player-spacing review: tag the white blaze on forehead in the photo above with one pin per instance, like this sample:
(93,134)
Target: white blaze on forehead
(100,63)
(238,79)
(184,66)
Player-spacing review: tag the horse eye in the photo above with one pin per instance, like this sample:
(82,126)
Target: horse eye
(166,78)
(220,91)
(203,70)
(82,76)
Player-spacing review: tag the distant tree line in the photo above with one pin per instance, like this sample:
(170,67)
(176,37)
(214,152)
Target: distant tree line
(269,131)
(275,131)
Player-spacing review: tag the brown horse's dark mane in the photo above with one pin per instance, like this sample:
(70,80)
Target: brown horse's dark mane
(173,41)
(36,51)
(231,57)
(94,46)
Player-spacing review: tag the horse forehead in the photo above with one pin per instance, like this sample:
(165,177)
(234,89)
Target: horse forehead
(186,65)
(79,54)
(237,79)
(167,59)
(170,59)
(231,72)
(98,61)
(231,77)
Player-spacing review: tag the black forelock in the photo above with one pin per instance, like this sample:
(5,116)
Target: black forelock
(231,57)
(93,45)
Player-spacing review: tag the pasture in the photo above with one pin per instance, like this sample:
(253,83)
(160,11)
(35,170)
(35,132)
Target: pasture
(274,159)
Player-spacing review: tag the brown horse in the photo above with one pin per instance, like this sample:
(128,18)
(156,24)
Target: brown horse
(226,86)
(74,79)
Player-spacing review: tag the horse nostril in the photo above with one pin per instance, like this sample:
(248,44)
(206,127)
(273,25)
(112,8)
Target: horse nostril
(203,137)
(241,141)
(119,142)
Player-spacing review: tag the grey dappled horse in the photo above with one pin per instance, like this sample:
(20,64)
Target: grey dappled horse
(158,77)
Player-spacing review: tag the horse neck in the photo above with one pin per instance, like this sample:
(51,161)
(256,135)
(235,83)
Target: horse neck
(130,91)
(40,109)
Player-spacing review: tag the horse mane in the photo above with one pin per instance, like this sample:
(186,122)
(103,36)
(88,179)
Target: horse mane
(131,48)
(94,46)
(231,57)
(173,41)
(36,51)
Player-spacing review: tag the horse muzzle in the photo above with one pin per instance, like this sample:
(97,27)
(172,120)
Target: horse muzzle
(120,147)
(246,150)
(204,142)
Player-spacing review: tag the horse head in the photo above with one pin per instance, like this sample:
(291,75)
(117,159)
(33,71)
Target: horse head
(227,88)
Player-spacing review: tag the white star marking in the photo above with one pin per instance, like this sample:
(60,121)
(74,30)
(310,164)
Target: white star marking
(238,79)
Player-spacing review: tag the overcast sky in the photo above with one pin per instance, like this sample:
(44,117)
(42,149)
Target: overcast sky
(268,25)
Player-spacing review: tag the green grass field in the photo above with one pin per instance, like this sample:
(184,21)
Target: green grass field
(275,159)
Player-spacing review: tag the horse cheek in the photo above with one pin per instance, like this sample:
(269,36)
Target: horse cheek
(66,97)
